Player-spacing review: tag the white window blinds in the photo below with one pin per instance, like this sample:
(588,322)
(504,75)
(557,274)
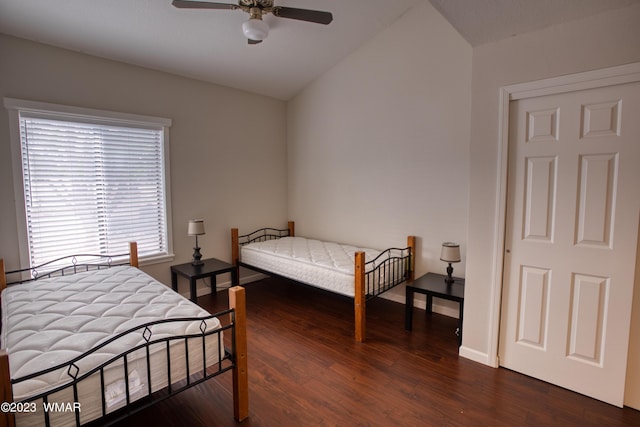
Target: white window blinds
(91,187)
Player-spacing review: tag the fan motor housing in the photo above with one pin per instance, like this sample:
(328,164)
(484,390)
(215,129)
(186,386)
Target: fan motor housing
(256,3)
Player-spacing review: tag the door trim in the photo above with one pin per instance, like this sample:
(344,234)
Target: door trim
(628,73)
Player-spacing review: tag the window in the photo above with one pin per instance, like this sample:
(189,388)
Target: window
(91,182)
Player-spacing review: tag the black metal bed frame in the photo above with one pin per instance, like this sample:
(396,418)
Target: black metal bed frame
(393,265)
(226,360)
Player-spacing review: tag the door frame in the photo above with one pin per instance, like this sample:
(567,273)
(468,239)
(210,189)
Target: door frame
(622,74)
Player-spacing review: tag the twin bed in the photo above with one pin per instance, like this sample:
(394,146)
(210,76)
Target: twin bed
(355,272)
(102,343)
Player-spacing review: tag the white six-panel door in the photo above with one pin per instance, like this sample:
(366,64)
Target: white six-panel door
(571,237)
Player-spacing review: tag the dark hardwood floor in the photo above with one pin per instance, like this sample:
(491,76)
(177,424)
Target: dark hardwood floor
(306,370)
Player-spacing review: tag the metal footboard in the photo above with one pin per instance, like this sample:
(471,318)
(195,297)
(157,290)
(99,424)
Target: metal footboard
(43,403)
(389,269)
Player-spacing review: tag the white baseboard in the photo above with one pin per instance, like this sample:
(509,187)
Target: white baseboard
(206,290)
(252,278)
(420,301)
(476,356)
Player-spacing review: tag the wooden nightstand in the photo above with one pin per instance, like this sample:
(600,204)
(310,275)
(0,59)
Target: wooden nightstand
(210,268)
(433,285)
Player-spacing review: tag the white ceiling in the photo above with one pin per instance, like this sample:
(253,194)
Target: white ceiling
(208,44)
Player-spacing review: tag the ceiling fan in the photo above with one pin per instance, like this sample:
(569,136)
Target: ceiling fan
(255,29)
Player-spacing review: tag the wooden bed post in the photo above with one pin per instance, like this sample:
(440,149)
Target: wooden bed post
(133,254)
(235,255)
(235,250)
(237,301)
(292,228)
(3,277)
(6,394)
(359,303)
(411,243)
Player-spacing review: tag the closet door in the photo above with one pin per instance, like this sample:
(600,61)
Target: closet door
(571,238)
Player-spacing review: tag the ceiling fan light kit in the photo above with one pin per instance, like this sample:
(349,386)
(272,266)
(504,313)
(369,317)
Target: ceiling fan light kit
(256,30)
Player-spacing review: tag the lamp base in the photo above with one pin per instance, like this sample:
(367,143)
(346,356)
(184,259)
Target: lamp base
(449,279)
(196,262)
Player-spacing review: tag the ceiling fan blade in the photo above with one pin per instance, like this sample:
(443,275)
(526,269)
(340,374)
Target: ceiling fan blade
(253,41)
(187,4)
(303,14)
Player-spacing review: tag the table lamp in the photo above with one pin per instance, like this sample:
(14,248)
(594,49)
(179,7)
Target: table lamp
(196,228)
(450,253)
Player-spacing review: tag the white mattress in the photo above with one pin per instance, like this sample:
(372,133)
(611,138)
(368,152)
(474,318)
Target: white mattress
(325,265)
(51,321)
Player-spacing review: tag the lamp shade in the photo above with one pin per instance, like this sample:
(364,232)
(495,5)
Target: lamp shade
(196,227)
(450,252)
(255,29)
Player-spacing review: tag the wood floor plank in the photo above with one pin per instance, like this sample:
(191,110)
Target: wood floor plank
(306,370)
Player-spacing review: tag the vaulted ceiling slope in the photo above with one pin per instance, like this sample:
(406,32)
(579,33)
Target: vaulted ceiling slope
(485,21)
(209,44)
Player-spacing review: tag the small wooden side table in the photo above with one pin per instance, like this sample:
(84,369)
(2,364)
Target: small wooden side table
(210,268)
(433,285)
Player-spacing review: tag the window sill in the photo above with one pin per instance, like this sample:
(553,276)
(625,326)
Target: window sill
(156,259)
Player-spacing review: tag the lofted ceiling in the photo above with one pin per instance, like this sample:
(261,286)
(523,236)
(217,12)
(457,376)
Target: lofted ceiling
(485,21)
(209,45)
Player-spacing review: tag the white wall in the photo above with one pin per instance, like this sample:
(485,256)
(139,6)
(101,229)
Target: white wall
(228,147)
(602,41)
(378,145)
